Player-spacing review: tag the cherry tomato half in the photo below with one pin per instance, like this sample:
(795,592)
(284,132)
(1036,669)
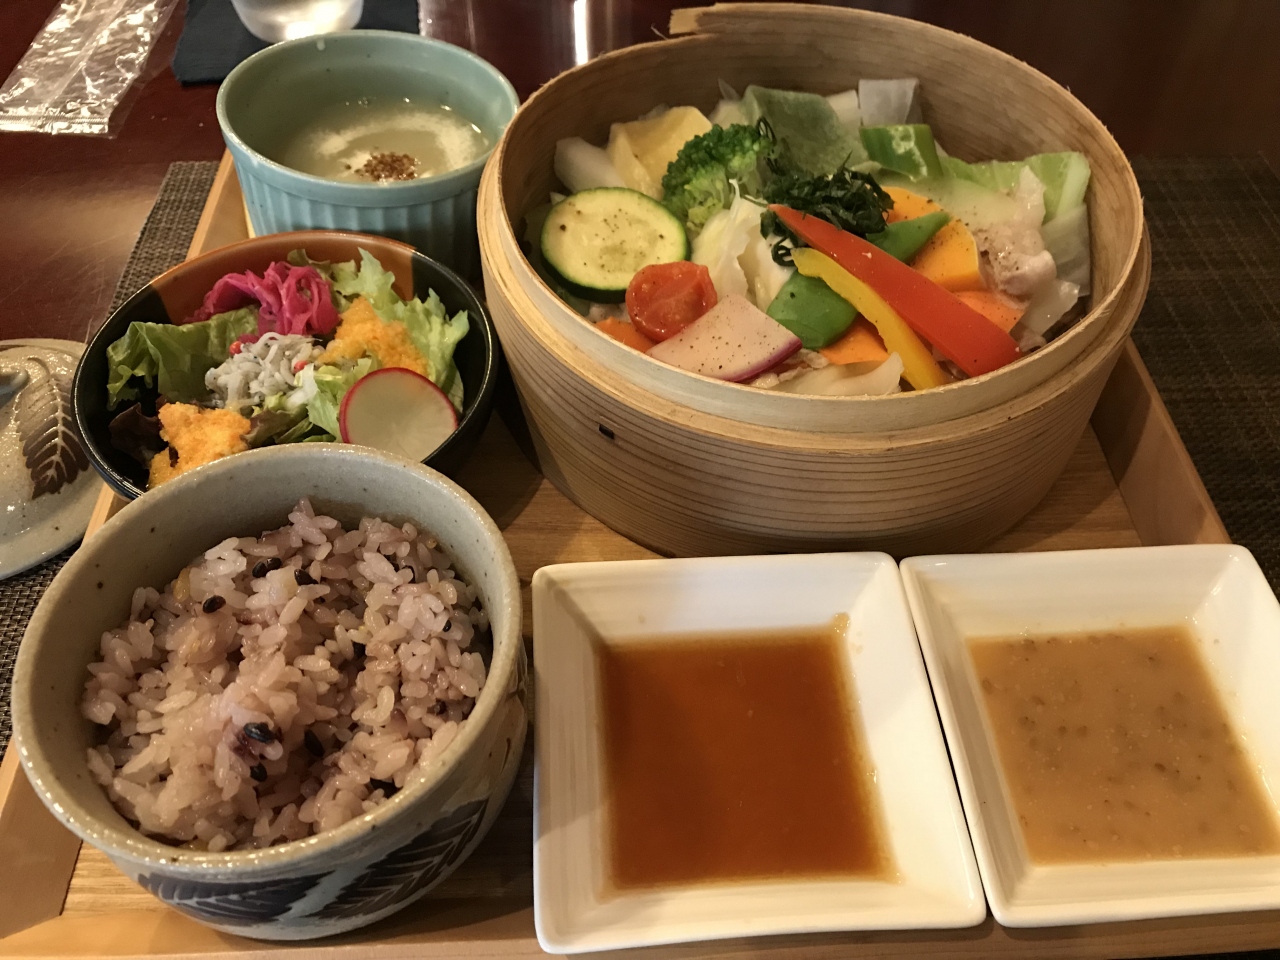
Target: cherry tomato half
(664,298)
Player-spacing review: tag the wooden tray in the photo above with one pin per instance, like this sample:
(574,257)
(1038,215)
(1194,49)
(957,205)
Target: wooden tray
(1129,482)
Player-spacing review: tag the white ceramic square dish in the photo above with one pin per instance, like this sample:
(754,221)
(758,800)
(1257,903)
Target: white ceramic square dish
(577,606)
(1217,591)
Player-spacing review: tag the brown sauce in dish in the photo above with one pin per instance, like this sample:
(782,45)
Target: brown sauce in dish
(1116,746)
(733,757)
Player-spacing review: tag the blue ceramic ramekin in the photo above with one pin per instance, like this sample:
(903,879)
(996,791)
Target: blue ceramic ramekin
(271,91)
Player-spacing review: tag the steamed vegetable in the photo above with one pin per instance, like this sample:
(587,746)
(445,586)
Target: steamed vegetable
(732,341)
(664,298)
(642,150)
(1049,305)
(960,333)
(906,148)
(860,344)
(597,240)
(849,380)
(850,200)
(699,182)
(810,137)
(532,245)
(903,239)
(1002,310)
(1066,237)
(173,358)
(812,311)
(765,276)
(950,257)
(889,101)
(729,110)
(581,166)
(961,264)
(919,367)
(976,206)
(723,243)
(625,333)
(845,105)
(1065,177)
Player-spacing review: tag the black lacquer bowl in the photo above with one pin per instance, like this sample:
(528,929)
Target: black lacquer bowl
(178,292)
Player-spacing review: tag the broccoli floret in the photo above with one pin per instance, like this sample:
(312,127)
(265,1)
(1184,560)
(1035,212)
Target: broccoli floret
(697,182)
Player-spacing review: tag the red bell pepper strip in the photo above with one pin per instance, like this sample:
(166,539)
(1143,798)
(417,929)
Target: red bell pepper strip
(961,334)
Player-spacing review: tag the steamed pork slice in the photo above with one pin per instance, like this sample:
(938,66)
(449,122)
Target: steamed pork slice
(363,333)
(196,436)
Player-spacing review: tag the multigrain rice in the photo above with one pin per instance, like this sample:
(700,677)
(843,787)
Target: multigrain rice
(281,686)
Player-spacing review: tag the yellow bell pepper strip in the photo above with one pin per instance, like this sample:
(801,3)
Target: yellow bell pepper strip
(961,334)
(918,365)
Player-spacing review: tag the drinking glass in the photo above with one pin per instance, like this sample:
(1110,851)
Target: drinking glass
(275,20)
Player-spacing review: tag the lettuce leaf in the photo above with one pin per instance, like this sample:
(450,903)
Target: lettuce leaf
(436,335)
(332,383)
(173,358)
(433,332)
(271,425)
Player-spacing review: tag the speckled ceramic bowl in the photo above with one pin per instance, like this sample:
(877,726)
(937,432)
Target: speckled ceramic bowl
(267,97)
(334,881)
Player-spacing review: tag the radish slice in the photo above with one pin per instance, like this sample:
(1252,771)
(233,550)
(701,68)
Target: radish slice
(398,411)
(734,340)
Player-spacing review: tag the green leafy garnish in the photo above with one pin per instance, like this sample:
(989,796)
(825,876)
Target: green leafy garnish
(332,383)
(699,181)
(272,424)
(434,333)
(851,200)
(173,357)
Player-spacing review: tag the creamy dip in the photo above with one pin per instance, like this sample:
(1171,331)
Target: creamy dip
(382,141)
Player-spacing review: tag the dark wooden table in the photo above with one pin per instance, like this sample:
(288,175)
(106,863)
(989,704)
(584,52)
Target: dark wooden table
(1167,76)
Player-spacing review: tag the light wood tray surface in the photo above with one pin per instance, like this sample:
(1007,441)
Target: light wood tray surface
(1128,483)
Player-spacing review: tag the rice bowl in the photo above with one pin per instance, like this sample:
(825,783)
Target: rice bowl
(346,875)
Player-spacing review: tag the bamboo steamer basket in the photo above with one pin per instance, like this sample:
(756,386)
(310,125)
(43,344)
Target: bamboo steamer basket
(690,466)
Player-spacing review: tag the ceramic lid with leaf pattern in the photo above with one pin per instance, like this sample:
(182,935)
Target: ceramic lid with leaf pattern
(47,490)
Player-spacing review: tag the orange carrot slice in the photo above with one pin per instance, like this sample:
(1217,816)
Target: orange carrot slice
(625,333)
(859,344)
(950,257)
(1002,310)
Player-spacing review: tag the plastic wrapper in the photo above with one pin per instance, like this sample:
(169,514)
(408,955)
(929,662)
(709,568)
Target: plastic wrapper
(80,65)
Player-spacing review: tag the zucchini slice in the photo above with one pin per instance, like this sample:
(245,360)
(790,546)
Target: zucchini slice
(597,240)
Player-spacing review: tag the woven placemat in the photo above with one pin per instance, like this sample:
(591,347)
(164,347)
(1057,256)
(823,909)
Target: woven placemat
(163,242)
(1210,331)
